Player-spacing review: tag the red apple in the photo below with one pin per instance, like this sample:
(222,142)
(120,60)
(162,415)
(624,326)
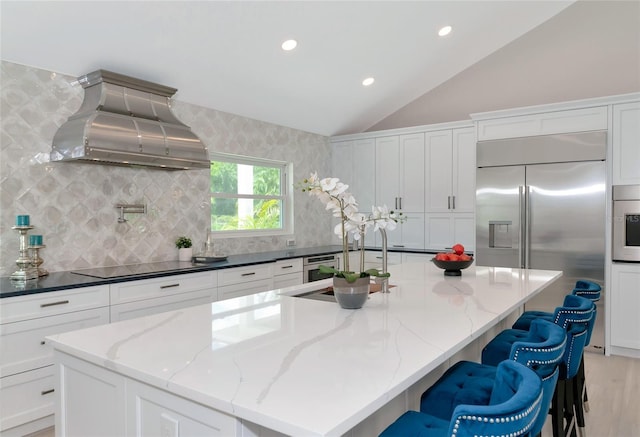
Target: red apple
(442,256)
(458,249)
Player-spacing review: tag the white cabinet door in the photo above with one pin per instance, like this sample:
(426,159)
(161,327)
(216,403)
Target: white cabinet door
(464,170)
(411,173)
(439,163)
(625,305)
(400,172)
(387,171)
(444,230)
(153,412)
(451,170)
(362,182)
(626,143)
(25,397)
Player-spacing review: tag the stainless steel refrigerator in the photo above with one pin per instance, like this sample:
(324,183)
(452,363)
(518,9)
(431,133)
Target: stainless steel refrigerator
(540,204)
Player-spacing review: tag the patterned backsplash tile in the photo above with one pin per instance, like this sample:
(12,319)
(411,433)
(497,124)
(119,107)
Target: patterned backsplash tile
(73,205)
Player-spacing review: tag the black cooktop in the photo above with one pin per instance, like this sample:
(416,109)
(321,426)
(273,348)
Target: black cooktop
(135,269)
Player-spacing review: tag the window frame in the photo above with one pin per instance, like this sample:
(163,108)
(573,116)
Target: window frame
(286,196)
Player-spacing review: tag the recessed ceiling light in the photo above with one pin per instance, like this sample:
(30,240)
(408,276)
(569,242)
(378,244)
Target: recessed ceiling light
(368,81)
(446,30)
(289,44)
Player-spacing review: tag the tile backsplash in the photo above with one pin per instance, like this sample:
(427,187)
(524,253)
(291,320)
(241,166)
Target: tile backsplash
(73,205)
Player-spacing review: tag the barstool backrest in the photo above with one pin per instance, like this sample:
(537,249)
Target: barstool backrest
(589,290)
(515,404)
(542,351)
(575,316)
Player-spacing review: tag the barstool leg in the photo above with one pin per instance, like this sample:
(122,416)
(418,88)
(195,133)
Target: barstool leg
(569,414)
(578,390)
(557,409)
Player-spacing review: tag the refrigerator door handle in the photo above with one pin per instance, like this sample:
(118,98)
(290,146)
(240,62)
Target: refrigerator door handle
(527,235)
(521,227)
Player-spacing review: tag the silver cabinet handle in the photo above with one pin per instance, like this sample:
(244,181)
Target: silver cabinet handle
(453,202)
(448,202)
(162,287)
(397,245)
(50,304)
(248,274)
(521,208)
(400,198)
(286,267)
(46,392)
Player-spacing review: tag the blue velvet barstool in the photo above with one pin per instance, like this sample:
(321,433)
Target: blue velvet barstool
(574,317)
(589,290)
(513,407)
(471,383)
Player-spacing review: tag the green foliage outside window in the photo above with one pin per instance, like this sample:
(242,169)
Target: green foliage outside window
(246,197)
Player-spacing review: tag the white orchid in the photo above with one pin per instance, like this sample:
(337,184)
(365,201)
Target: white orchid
(334,195)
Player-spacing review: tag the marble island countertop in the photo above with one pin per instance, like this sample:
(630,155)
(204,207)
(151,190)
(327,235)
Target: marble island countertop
(306,367)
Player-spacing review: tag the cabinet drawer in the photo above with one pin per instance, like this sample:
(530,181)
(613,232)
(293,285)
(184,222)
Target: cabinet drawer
(151,288)
(32,306)
(162,304)
(244,274)
(237,290)
(288,280)
(26,396)
(287,266)
(23,346)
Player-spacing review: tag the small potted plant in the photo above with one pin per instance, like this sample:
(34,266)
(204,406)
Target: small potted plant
(185,249)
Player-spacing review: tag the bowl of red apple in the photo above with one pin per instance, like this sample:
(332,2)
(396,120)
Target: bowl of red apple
(453,262)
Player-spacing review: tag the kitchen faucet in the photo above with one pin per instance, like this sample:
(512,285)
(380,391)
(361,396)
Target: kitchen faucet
(384,281)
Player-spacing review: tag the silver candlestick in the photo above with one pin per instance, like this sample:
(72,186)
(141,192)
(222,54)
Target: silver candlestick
(26,270)
(36,261)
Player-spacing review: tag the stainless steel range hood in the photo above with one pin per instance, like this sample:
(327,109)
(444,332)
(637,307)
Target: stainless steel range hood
(127,121)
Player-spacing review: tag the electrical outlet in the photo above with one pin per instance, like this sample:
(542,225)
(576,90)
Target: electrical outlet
(291,242)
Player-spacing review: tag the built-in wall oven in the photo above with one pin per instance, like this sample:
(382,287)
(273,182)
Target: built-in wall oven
(626,223)
(311,267)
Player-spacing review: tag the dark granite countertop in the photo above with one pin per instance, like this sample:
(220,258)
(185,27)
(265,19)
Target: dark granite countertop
(65,280)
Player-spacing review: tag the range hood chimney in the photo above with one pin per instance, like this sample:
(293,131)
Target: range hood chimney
(127,121)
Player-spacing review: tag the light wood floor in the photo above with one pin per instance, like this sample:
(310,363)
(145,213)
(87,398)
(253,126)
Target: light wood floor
(613,385)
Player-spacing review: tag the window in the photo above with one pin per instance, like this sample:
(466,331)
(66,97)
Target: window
(249,196)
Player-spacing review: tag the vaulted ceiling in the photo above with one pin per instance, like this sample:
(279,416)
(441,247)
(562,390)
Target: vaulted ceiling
(226,55)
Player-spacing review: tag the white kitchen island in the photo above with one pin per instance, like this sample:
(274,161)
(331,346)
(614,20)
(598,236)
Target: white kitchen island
(272,362)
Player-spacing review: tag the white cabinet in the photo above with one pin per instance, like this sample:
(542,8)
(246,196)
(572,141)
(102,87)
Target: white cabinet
(400,172)
(625,306)
(408,235)
(451,170)
(354,163)
(287,273)
(114,405)
(626,143)
(241,281)
(26,359)
(133,299)
(443,230)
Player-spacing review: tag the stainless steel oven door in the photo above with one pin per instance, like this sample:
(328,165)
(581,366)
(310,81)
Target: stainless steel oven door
(626,223)
(311,267)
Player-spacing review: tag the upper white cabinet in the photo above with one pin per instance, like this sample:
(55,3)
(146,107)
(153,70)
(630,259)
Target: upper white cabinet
(625,137)
(451,170)
(354,163)
(529,122)
(399,178)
